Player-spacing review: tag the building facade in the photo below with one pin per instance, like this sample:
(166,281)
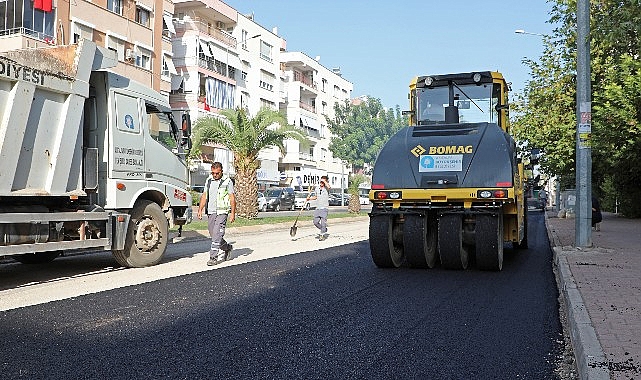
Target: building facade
(139,31)
(204,56)
(226,60)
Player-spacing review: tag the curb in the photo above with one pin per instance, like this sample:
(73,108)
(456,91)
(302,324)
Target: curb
(204,234)
(587,349)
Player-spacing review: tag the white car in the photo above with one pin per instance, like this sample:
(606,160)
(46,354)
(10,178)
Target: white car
(301,201)
(262,202)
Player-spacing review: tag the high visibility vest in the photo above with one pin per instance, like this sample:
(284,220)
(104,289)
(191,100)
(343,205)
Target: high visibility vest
(223,202)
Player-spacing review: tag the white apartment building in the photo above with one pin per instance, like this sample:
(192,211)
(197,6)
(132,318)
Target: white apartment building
(226,60)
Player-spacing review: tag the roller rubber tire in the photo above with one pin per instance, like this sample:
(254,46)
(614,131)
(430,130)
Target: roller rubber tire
(489,242)
(450,242)
(384,252)
(148,225)
(419,241)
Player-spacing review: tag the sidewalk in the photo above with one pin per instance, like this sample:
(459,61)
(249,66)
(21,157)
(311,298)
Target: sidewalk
(602,289)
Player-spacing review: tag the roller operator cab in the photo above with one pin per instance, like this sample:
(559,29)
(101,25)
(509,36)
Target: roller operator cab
(449,187)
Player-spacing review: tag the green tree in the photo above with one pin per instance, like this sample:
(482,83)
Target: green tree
(360,131)
(547,118)
(245,137)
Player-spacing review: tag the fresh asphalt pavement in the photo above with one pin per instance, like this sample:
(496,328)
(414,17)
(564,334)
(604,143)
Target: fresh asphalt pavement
(324,312)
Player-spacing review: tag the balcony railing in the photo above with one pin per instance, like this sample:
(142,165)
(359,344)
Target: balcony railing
(305,79)
(203,27)
(307,107)
(30,33)
(215,65)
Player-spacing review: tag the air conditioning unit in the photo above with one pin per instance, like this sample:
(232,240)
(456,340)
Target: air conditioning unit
(220,25)
(130,55)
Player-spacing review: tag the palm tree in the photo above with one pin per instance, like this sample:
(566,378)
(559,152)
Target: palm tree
(245,137)
(355,180)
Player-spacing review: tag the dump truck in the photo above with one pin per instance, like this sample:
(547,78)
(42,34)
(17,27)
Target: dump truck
(90,159)
(448,188)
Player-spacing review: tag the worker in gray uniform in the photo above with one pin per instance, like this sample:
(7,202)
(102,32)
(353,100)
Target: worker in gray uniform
(218,202)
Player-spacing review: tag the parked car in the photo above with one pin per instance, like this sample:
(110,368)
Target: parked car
(302,202)
(335,199)
(280,198)
(262,202)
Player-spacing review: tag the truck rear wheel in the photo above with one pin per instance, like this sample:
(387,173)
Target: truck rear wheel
(385,252)
(450,242)
(146,236)
(489,242)
(419,240)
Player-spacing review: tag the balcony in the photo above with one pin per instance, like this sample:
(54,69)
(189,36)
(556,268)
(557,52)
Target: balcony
(216,66)
(205,28)
(307,107)
(304,79)
(16,35)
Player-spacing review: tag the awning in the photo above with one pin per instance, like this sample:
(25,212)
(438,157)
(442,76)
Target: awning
(310,123)
(225,56)
(234,61)
(204,46)
(169,23)
(170,65)
(176,82)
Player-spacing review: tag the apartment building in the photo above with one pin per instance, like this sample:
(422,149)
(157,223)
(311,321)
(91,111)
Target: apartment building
(139,31)
(226,60)
(205,56)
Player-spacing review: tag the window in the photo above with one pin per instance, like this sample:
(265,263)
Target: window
(143,58)
(168,67)
(267,104)
(244,99)
(244,35)
(142,16)
(160,130)
(115,6)
(267,80)
(81,31)
(266,51)
(323,84)
(168,25)
(117,45)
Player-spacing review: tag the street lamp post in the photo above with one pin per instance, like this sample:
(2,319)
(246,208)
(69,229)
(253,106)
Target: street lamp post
(583,223)
(521,31)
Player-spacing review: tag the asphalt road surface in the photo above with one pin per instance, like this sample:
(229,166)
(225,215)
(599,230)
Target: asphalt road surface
(327,313)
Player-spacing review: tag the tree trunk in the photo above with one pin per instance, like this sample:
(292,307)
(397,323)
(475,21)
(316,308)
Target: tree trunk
(354,204)
(246,189)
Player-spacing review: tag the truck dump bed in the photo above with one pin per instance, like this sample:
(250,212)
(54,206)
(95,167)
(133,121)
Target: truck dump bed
(42,95)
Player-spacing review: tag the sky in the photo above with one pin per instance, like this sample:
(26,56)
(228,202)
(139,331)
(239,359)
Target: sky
(381,45)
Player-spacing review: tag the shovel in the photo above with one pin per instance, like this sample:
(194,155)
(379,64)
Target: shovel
(292,230)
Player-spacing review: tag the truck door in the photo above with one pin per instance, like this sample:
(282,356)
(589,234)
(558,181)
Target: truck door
(160,143)
(127,148)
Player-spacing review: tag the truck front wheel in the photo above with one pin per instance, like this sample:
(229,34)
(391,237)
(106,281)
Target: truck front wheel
(146,236)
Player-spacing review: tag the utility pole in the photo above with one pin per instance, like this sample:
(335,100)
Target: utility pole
(583,226)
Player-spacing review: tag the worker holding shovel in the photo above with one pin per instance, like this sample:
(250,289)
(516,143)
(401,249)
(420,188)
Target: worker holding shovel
(320,214)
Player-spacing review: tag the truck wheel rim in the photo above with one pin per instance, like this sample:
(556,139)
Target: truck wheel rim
(147,235)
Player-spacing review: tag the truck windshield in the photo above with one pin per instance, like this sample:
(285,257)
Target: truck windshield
(476,103)
(160,130)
